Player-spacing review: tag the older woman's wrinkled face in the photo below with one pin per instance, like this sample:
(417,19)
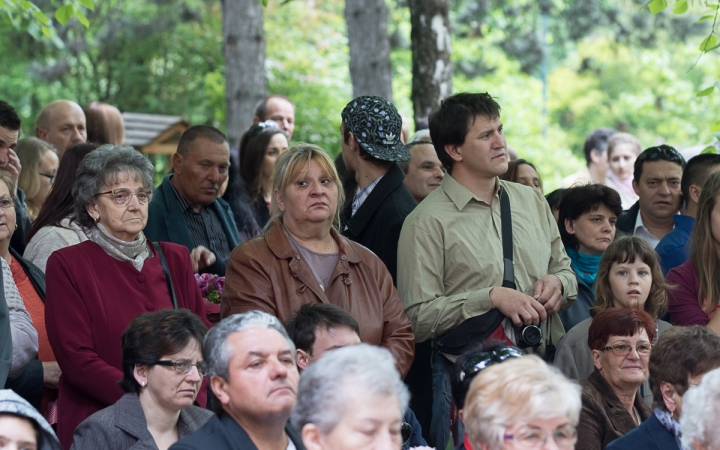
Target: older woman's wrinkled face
(169,389)
(556,432)
(368,423)
(7,213)
(630,283)
(310,198)
(17,433)
(124,221)
(620,368)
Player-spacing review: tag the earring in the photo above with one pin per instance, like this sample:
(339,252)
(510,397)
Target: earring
(144,383)
(16,226)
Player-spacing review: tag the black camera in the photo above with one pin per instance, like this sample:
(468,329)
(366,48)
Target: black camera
(528,336)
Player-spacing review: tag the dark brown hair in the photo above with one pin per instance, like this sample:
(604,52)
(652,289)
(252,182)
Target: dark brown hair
(619,322)
(577,201)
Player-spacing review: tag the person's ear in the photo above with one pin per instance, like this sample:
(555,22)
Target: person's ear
(177,160)
(311,437)
(595,156)
(42,134)
(596,354)
(454,152)
(303,359)
(219,387)
(668,392)
(140,373)
(93,211)
(569,226)
(695,192)
(279,199)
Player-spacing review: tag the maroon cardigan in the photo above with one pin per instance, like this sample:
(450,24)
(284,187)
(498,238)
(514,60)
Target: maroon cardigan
(91,299)
(684,307)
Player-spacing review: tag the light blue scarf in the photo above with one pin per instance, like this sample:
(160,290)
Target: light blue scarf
(585,266)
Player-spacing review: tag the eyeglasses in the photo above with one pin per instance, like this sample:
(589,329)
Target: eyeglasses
(564,437)
(262,126)
(122,196)
(625,349)
(405,432)
(482,360)
(7,202)
(183,366)
(48,176)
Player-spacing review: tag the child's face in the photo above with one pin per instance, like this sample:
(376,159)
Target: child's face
(630,283)
(622,161)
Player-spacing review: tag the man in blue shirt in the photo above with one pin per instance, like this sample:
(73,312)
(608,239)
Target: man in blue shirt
(672,249)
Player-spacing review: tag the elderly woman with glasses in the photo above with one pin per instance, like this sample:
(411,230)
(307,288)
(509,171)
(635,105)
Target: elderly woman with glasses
(162,372)
(522,404)
(621,342)
(97,287)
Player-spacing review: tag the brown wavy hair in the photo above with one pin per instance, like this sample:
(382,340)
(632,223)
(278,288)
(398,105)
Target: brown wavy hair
(703,255)
(626,250)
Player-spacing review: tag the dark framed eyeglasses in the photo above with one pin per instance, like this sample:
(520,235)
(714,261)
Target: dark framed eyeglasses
(48,176)
(482,360)
(262,126)
(643,349)
(183,366)
(7,202)
(405,432)
(122,196)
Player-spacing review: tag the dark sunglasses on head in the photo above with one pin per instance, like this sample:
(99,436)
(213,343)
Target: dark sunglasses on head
(405,432)
(262,126)
(482,360)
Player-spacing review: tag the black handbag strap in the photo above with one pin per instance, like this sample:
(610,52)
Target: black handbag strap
(166,272)
(507,241)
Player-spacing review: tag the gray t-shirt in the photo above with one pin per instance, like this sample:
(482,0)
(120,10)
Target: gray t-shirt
(320,264)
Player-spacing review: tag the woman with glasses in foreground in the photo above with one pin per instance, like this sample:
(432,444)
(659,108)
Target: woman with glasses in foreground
(162,372)
(621,342)
(522,404)
(97,287)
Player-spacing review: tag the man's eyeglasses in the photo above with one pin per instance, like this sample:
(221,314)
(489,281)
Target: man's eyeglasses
(564,437)
(625,349)
(182,366)
(482,360)
(262,126)
(7,202)
(405,432)
(48,176)
(122,196)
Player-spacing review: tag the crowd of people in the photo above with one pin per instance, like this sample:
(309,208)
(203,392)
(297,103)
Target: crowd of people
(406,295)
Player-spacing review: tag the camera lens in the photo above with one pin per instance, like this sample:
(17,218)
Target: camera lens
(532,335)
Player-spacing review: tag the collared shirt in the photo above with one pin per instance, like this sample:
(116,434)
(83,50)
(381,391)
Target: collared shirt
(362,194)
(673,249)
(206,230)
(643,233)
(450,254)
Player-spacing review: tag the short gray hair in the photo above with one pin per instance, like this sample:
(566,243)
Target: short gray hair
(216,351)
(701,407)
(100,168)
(323,391)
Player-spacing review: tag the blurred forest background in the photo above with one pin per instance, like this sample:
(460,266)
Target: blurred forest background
(559,68)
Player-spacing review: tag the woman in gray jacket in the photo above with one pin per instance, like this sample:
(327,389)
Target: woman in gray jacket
(162,374)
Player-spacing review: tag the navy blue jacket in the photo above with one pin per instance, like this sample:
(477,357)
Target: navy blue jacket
(672,249)
(166,223)
(650,435)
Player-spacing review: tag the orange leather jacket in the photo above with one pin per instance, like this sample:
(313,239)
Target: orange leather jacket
(265,273)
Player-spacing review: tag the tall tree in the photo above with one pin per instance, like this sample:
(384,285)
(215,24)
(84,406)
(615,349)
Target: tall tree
(431,66)
(244,48)
(370,66)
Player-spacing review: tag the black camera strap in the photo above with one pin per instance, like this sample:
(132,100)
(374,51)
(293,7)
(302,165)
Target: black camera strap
(507,241)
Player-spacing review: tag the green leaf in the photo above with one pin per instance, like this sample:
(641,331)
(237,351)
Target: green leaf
(83,20)
(708,43)
(264,2)
(705,18)
(710,149)
(65,13)
(680,7)
(41,17)
(88,4)
(715,128)
(657,5)
(705,92)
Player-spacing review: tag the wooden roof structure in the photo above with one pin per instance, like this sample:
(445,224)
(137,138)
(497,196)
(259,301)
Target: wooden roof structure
(153,133)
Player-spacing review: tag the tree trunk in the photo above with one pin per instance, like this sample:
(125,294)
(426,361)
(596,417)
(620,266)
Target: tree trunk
(370,66)
(244,48)
(432,69)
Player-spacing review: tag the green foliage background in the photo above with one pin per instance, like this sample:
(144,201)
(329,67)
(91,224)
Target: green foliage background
(609,63)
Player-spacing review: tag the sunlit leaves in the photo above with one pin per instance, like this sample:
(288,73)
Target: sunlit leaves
(64,14)
(708,43)
(710,149)
(680,7)
(657,6)
(705,92)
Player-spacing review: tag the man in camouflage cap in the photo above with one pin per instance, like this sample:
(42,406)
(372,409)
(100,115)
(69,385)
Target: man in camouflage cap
(371,147)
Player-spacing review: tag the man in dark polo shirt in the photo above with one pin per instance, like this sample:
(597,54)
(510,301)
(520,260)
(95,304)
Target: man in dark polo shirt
(186,209)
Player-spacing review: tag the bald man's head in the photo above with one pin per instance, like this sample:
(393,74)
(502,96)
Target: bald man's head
(61,123)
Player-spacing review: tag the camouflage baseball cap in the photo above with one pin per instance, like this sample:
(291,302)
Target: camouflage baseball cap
(376,125)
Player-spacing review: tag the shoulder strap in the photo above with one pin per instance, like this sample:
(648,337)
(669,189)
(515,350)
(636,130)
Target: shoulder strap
(507,241)
(166,272)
